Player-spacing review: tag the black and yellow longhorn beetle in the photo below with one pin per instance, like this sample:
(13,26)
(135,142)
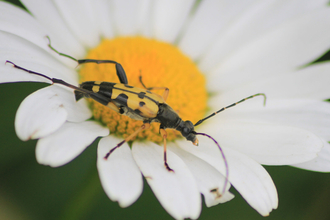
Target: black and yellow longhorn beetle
(137,103)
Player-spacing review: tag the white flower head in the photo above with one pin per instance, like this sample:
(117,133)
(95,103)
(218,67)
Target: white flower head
(230,49)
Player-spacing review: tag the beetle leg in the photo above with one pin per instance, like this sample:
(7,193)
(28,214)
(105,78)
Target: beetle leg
(143,127)
(166,90)
(119,69)
(164,135)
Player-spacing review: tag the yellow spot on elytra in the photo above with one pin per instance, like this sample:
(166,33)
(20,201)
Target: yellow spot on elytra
(161,65)
(96,89)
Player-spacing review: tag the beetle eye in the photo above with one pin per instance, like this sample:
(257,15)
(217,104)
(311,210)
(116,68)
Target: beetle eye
(185,131)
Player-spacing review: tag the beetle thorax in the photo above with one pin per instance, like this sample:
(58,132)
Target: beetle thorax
(167,117)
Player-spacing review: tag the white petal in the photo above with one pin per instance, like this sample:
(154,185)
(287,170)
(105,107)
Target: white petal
(257,20)
(68,142)
(269,144)
(207,177)
(77,111)
(45,13)
(210,19)
(103,15)
(310,82)
(321,163)
(252,181)
(29,56)
(247,176)
(176,191)
(130,16)
(311,115)
(169,17)
(120,176)
(288,47)
(40,114)
(307,83)
(46,110)
(17,21)
(80,18)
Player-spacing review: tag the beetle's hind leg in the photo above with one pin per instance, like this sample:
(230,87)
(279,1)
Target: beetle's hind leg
(119,69)
(164,135)
(143,127)
(166,90)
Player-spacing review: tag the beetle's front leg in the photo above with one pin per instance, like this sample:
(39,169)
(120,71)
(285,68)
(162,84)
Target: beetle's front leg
(143,127)
(164,135)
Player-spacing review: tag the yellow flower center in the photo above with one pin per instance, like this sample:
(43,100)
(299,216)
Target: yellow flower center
(160,65)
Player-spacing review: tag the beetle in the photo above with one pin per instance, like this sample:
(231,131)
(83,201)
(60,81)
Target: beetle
(137,103)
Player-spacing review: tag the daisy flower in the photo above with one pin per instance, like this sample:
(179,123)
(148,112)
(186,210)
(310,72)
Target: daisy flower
(209,54)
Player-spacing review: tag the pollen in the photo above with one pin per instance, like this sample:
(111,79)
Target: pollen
(160,65)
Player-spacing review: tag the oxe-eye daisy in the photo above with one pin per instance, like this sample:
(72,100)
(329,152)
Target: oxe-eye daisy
(209,54)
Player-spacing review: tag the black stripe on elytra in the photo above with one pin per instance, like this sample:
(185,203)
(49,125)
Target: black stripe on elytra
(121,99)
(87,86)
(100,98)
(107,84)
(103,96)
(107,87)
(107,92)
(156,102)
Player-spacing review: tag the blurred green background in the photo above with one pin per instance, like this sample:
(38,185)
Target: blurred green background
(29,190)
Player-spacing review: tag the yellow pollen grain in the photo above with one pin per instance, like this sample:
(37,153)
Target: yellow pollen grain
(160,65)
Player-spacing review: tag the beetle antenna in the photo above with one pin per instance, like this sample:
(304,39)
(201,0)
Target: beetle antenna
(53,80)
(232,105)
(56,51)
(223,156)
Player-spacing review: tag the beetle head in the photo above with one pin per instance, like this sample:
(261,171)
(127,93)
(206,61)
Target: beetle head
(187,130)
